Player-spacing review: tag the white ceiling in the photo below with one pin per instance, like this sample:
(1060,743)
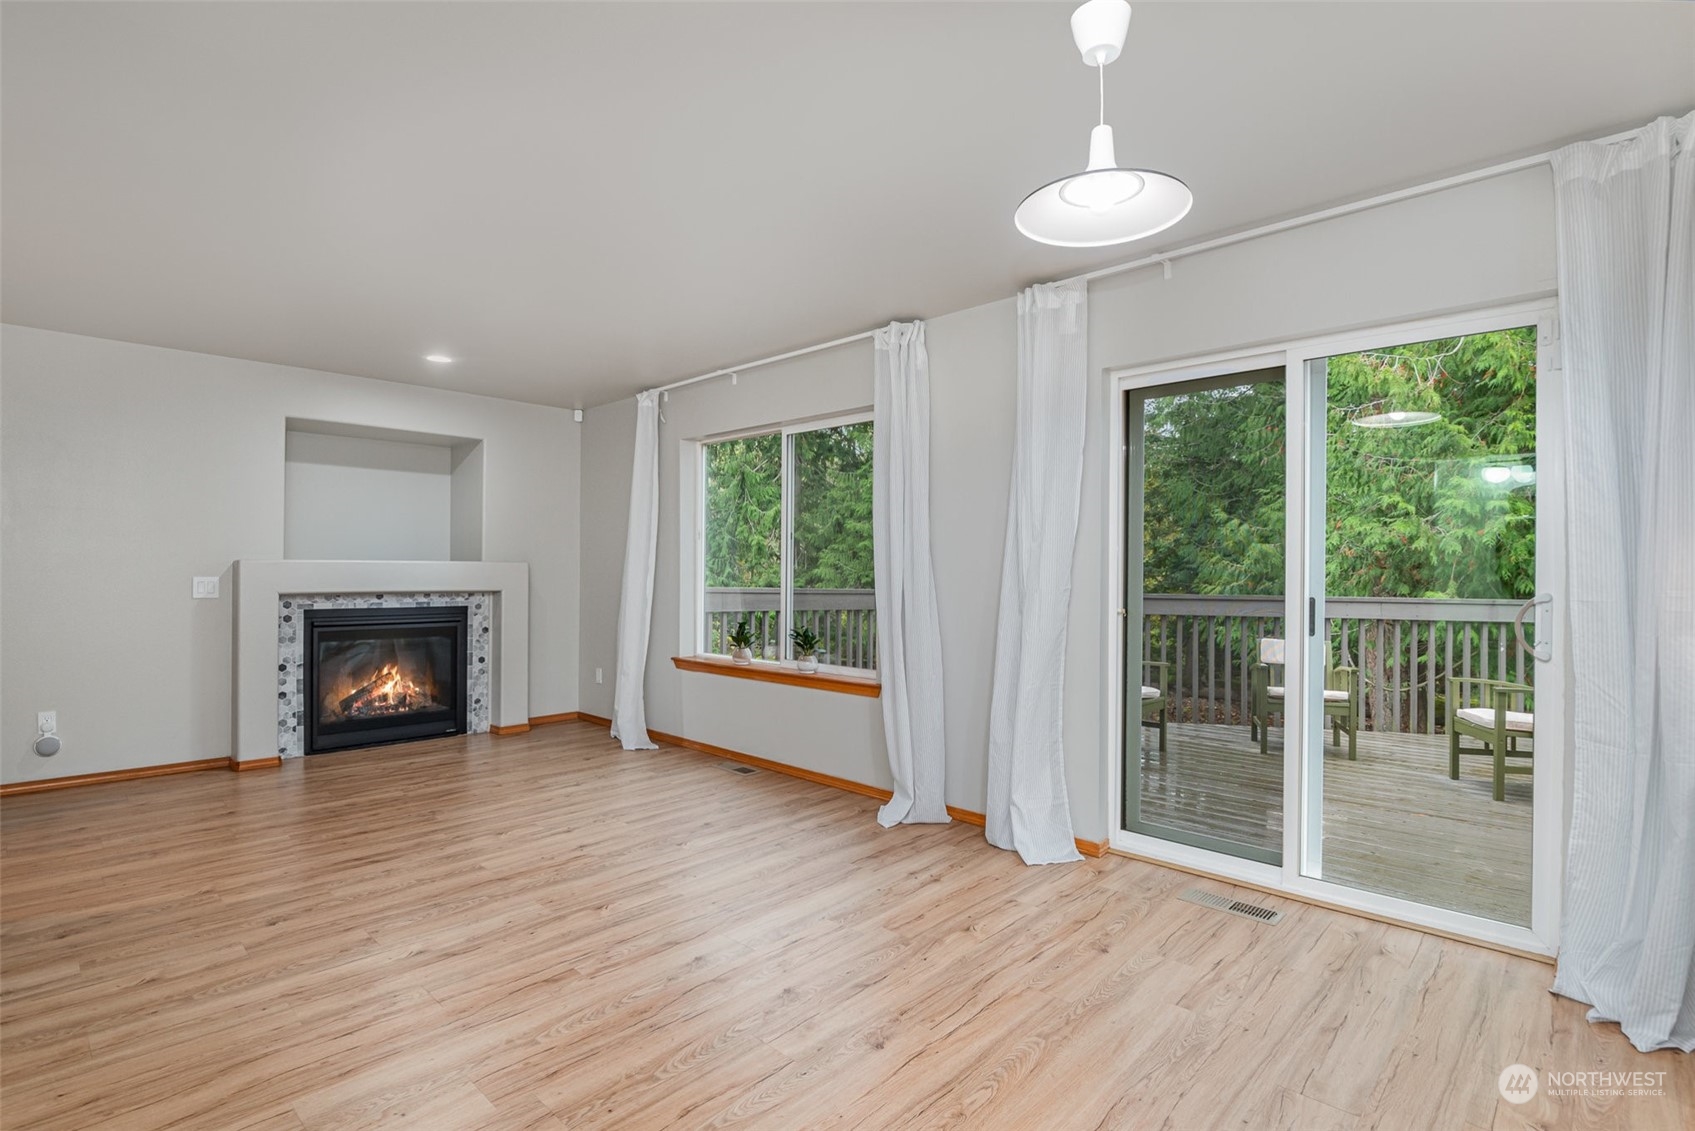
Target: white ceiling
(580,200)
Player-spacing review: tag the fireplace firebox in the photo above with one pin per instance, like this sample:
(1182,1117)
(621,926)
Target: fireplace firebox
(383,675)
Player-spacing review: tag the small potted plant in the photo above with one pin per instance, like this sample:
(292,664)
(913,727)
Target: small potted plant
(741,642)
(806,649)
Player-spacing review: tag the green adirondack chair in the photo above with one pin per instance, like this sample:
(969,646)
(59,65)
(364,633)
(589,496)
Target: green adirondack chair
(1341,697)
(1153,699)
(1502,720)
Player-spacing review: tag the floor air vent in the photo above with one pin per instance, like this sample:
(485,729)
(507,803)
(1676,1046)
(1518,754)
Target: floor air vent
(738,768)
(1232,906)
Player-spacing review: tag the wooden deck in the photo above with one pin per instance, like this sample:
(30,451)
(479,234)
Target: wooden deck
(1394,822)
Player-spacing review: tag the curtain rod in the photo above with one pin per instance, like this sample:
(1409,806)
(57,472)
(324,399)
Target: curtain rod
(1489,172)
(1165,258)
(764,361)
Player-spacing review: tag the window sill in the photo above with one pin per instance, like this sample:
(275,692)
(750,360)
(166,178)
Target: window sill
(768,672)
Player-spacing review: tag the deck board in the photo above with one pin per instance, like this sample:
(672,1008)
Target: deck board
(1394,822)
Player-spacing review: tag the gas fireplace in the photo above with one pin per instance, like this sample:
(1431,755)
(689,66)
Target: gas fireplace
(383,675)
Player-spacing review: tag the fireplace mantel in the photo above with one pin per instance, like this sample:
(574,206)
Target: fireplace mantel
(258,586)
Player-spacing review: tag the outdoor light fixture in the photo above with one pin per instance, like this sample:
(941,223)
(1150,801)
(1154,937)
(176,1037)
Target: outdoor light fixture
(1104,204)
(1396,419)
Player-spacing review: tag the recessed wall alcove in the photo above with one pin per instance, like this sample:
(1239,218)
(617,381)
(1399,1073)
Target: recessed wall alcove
(358,493)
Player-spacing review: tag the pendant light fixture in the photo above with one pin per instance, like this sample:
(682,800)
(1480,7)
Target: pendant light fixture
(1400,418)
(1103,204)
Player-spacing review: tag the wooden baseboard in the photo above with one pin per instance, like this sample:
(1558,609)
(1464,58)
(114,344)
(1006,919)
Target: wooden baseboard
(42,785)
(1090,848)
(230,763)
(598,720)
(775,767)
(536,721)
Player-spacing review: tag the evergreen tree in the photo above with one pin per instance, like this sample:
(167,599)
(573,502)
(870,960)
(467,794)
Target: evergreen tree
(1440,510)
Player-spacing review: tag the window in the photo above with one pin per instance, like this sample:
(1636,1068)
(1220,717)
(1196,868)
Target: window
(787,542)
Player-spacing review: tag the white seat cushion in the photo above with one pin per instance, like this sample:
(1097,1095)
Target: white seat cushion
(1151,693)
(1522,721)
(1330,694)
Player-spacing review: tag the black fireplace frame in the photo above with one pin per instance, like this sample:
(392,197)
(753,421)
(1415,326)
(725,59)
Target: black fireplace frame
(381,731)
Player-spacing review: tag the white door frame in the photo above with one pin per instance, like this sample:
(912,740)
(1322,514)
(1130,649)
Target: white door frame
(1302,786)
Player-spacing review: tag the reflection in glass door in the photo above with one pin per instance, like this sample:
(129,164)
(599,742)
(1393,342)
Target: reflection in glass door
(1204,579)
(1420,702)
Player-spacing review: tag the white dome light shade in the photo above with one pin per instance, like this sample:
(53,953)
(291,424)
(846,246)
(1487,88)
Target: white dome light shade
(1514,475)
(1047,216)
(1104,204)
(1396,419)
(1101,190)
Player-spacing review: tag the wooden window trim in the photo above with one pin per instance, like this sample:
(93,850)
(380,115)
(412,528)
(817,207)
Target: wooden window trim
(769,672)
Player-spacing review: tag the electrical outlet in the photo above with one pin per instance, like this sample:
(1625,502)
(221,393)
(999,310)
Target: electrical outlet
(599,676)
(47,722)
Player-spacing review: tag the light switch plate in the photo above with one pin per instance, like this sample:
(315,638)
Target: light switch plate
(205,587)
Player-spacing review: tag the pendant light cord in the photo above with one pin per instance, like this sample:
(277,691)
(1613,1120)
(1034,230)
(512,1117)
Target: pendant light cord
(1100,69)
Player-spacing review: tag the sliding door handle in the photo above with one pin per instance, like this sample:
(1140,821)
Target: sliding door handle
(1544,650)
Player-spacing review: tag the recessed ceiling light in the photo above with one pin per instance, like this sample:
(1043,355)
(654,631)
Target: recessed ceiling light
(438,358)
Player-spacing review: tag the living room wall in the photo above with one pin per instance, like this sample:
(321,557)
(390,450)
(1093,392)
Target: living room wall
(127,470)
(1483,244)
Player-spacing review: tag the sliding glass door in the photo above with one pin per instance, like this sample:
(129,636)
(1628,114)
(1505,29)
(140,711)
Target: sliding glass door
(1204,588)
(1421,699)
(1338,602)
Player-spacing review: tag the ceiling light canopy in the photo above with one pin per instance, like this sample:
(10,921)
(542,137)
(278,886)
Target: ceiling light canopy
(438,358)
(1104,204)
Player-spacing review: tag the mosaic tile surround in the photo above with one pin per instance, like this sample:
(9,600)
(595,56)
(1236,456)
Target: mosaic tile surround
(291,658)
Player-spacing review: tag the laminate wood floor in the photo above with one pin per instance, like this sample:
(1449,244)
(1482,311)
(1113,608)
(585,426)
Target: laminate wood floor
(546,932)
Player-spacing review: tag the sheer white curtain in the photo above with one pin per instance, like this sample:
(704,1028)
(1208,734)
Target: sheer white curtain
(1027,807)
(909,634)
(635,602)
(1627,306)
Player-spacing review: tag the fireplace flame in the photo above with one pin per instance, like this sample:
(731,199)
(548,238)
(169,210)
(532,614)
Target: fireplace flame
(389,691)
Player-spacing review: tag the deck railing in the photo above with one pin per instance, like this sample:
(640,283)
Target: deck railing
(844,619)
(1404,648)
